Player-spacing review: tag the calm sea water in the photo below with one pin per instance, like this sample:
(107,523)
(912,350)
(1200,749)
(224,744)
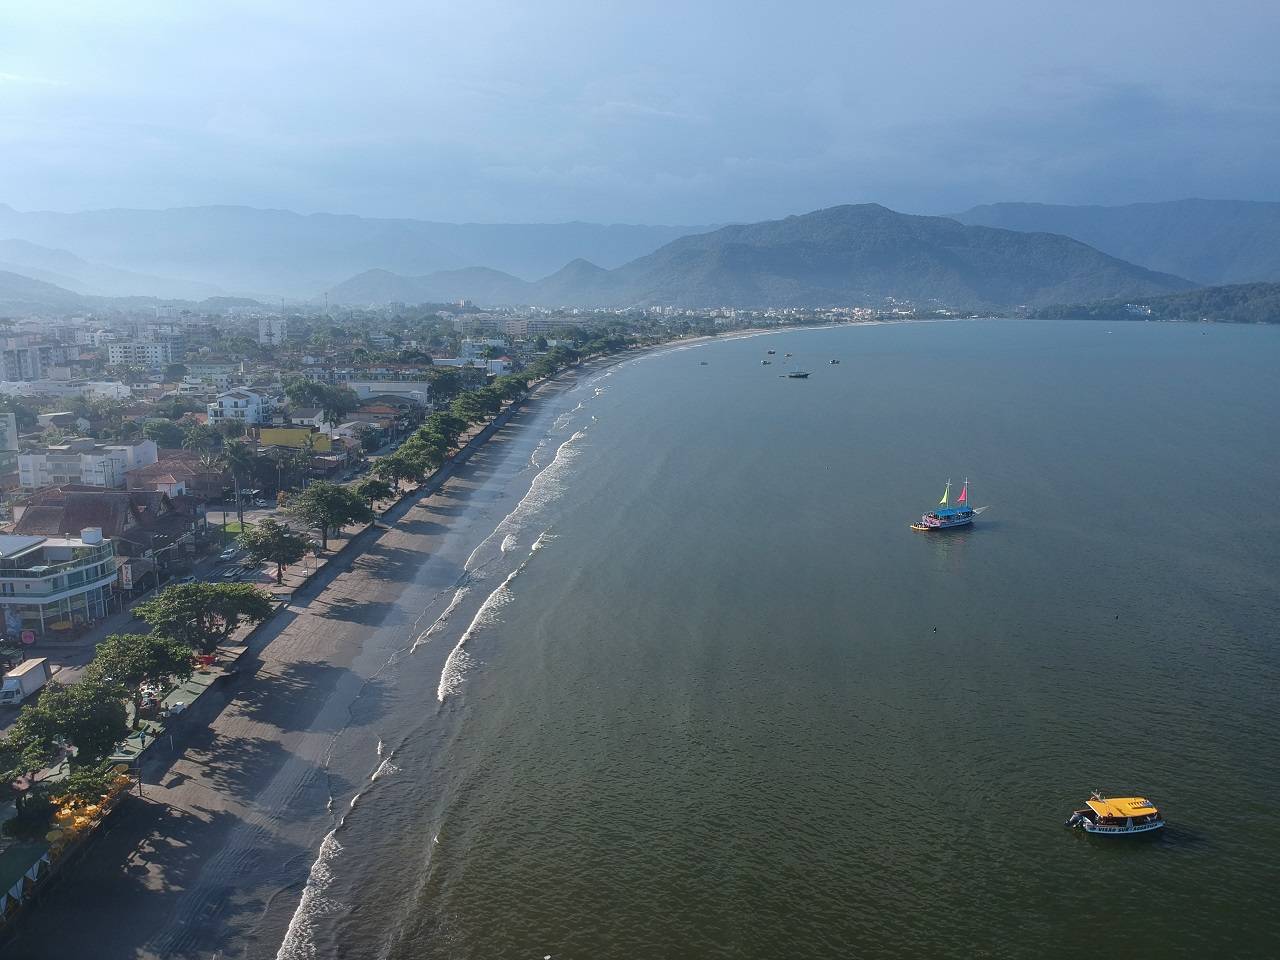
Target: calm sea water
(715,699)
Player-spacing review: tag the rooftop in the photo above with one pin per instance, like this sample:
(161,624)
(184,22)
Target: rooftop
(1121,807)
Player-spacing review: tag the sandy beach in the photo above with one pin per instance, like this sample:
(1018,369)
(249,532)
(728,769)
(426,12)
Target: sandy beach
(212,860)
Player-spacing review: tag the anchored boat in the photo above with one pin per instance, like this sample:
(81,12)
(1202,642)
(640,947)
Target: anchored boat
(1117,816)
(946,517)
(798,375)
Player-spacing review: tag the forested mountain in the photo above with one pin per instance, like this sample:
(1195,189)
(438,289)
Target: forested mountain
(1209,241)
(1238,303)
(842,255)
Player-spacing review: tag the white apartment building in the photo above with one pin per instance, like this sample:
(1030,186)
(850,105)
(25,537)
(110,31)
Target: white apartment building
(140,353)
(84,460)
(243,405)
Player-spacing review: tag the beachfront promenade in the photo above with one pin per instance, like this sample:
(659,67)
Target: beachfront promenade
(232,815)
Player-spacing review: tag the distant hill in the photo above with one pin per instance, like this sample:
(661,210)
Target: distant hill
(842,255)
(480,284)
(243,250)
(1209,241)
(20,295)
(1238,303)
(65,269)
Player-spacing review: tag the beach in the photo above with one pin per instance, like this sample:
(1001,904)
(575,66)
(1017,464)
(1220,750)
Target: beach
(213,858)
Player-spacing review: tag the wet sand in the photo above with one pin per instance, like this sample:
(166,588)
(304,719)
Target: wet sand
(211,861)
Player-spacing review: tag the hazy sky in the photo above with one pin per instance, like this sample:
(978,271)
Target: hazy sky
(690,112)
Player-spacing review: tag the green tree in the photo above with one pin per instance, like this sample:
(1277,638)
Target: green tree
(200,436)
(174,372)
(230,428)
(165,433)
(133,659)
(88,716)
(399,466)
(203,615)
(370,439)
(373,489)
(272,540)
(329,506)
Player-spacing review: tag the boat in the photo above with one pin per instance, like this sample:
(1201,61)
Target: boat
(1117,816)
(798,375)
(765,363)
(702,363)
(833,361)
(772,352)
(786,354)
(946,517)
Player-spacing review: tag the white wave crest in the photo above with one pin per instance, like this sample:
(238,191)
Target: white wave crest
(441,620)
(299,940)
(455,666)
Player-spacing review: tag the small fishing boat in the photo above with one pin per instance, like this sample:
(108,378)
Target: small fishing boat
(786,354)
(946,517)
(765,363)
(833,361)
(1117,816)
(798,375)
(702,363)
(772,352)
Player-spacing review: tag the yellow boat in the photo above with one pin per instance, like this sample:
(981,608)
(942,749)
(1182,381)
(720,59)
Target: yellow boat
(1116,816)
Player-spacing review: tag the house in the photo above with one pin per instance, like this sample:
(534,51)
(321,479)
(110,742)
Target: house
(51,583)
(243,405)
(181,472)
(308,417)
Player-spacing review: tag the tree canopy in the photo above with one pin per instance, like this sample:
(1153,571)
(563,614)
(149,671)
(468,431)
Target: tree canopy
(203,615)
(271,540)
(329,506)
(132,659)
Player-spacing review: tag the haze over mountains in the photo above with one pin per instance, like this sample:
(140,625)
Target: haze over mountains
(203,251)
(856,254)
(1209,241)
(990,257)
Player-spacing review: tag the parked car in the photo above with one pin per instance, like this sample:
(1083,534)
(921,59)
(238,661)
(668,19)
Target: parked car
(187,579)
(229,554)
(232,574)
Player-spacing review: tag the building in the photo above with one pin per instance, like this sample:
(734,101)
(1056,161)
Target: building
(8,451)
(417,391)
(48,584)
(308,417)
(182,472)
(272,330)
(85,461)
(140,353)
(23,359)
(243,405)
(526,327)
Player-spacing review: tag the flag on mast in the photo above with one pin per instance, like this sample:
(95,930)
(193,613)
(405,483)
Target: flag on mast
(945,493)
(964,492)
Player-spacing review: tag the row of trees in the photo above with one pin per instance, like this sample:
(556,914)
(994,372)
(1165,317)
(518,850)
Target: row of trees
(428,447)
(84,722)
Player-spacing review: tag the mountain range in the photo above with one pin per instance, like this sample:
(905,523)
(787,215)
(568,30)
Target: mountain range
(202,251)
(1208,241)
(854,254)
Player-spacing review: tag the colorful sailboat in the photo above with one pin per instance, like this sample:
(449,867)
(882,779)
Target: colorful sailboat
(948,516)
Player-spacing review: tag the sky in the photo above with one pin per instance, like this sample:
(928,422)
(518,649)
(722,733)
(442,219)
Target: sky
(657,112)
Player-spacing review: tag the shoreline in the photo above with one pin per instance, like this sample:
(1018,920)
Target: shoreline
(251,799)
(246,799)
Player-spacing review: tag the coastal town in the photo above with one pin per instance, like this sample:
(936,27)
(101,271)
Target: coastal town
(173,476)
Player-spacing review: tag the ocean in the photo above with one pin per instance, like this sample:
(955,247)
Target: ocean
(702,692)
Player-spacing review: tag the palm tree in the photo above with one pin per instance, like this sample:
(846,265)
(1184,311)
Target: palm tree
(239,459)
